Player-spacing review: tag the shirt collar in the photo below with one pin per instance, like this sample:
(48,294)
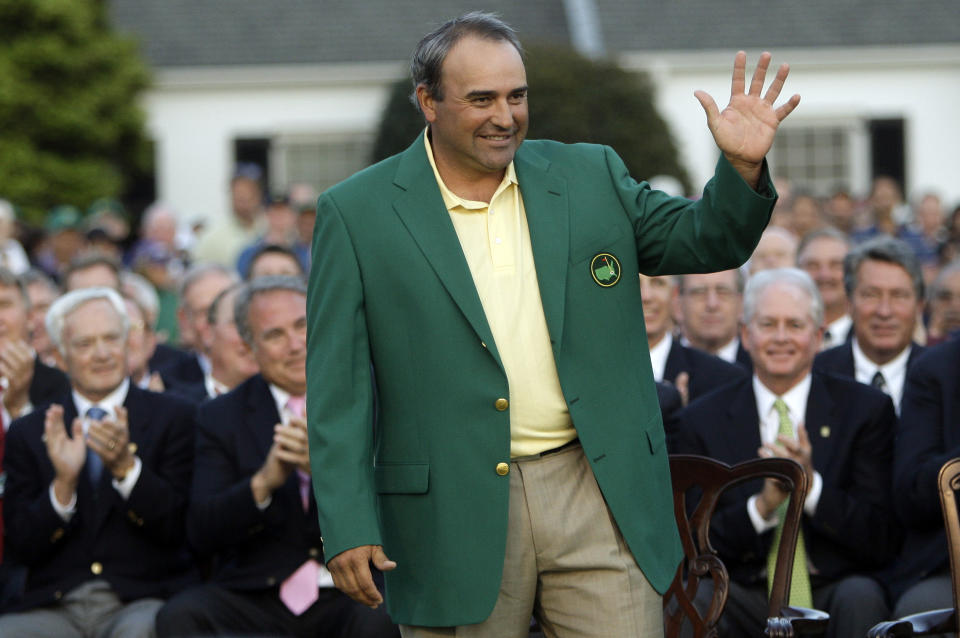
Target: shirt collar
(108,403)
(864,368)
(795,398)
(450,199)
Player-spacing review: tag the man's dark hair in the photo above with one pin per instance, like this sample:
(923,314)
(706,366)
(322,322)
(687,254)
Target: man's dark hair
(260,285)
(89,260)
(738,278)
(272,249)
(821,233)
(885,249)
(427,60)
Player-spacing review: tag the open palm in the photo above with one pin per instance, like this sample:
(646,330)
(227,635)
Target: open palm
(745,129)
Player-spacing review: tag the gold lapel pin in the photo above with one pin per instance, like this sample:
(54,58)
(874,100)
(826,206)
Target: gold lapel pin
(824,431)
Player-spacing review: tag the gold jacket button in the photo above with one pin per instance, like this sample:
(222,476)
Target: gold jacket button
(314,552)
(132,447)
(501,404)
(57,595)
(271,581)
(503,469)
(96,568)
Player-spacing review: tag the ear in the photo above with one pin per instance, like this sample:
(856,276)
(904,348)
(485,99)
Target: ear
(428,104)
(744,334)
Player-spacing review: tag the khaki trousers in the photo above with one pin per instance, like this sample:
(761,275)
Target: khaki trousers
(566,562)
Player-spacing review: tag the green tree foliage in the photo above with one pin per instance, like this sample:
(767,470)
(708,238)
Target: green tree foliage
(71,130)
(572,99)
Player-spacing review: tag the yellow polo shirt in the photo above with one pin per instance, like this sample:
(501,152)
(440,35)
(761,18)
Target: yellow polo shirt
(496,243)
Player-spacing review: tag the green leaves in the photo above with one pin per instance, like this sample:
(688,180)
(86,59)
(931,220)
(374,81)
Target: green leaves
(71,129)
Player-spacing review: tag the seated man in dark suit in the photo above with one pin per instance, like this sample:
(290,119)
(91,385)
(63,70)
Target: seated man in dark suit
(692,371)
(928,437)
(840,431)
(708,310)
(884,284)
(252,507)
(24,382)
(200,285)
(231,361)
(97,487)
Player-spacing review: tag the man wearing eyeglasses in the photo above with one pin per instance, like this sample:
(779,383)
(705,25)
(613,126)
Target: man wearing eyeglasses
(708,309)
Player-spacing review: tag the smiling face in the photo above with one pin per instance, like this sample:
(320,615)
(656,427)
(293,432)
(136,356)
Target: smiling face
(822,258)
(884,309)
(481,120)
(94,348)
(782,337)
(657,294)
(278,323)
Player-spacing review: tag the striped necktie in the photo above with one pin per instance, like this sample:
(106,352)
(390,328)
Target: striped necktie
(800,592)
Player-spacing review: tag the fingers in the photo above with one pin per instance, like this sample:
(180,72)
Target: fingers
(709,106)
(380,560)
(351,575)
(53,415)
(760,74)
(739,73)
(788,107)
(777,85)
(682,383)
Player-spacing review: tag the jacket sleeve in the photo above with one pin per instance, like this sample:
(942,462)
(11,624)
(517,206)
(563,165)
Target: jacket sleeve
(922,447)
(854,512)
(34,530)
(339,390)
(677,235)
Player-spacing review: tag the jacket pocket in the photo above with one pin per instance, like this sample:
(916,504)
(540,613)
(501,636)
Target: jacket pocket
(655,438)
(402,478)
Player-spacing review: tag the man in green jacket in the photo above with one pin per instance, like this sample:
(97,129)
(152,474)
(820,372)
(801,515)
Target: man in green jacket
(517,462)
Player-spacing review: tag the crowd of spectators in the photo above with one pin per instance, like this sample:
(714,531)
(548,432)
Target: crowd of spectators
(178,354)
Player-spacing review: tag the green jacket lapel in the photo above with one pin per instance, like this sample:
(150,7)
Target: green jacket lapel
(546,204)
(421,209)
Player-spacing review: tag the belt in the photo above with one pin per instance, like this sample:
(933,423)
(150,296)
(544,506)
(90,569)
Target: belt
(540,455)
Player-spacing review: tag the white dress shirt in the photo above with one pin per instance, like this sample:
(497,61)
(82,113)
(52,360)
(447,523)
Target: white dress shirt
(894,372)
(796,400)
(658,355)
(836,332)
(109,405)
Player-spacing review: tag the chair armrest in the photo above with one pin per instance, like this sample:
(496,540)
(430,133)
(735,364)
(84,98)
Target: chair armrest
(797,621)
(927,623)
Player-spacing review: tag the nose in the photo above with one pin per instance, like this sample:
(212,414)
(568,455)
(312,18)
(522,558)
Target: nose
(502,115)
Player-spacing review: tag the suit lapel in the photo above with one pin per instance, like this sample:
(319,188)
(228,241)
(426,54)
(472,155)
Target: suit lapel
(743,439)
(262,415)
(422,211)
(548,218)
(820,421)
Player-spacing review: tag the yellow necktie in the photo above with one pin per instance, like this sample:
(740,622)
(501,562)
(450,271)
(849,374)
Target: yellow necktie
(800,592)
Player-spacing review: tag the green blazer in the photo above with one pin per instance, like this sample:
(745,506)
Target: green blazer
(390,286)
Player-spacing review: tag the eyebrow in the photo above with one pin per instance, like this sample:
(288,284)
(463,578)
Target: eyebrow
(491,93)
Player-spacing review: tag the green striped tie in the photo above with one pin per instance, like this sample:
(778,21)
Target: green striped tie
(800,593)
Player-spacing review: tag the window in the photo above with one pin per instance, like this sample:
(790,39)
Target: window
(320,160)
(821,156)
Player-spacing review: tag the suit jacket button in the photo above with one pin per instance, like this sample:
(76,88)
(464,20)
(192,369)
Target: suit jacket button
(96,568)
(57,535)
(501,404)
(132,447)
(57,595)
(503,469)
(271,581)
(314,552)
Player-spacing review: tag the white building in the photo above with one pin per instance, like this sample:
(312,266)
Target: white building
(299,85)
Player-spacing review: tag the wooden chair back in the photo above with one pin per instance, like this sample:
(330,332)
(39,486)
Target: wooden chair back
(709,478)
